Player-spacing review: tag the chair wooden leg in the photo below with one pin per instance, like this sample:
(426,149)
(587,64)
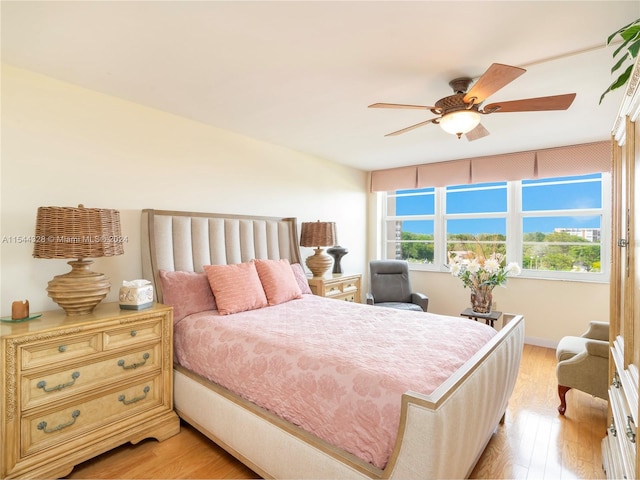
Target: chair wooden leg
(562,392)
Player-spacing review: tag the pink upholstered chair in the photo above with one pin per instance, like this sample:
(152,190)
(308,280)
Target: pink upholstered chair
(583,363)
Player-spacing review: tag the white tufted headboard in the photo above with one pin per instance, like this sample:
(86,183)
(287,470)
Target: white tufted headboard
(185,241)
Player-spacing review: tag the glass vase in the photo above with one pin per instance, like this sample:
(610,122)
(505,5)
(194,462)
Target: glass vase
(481,298)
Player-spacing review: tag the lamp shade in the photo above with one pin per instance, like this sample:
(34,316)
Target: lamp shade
(318,234)
(77,232)
(80,233)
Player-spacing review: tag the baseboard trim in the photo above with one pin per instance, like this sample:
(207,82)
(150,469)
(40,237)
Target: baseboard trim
(541,342)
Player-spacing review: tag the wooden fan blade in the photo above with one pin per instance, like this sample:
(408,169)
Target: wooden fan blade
(496,77)
(554,102)
(400,105)
(410,128)
(477,133)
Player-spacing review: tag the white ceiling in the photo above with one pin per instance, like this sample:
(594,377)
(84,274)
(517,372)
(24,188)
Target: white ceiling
(301,73)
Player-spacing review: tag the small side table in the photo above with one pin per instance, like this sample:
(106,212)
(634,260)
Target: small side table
(489,318)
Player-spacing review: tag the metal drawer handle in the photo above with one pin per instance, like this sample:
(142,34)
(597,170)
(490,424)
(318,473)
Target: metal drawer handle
(145,357)
(630,435)
(133,333)
(43,425)
(616,380)
(612,429)
(62,348)
(122,398)
(43,385)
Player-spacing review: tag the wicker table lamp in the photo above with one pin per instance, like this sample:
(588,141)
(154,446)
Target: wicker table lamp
(80,233)
(318,234)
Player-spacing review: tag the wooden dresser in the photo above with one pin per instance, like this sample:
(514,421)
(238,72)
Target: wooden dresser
(619,447)
(75,387)
(339,286)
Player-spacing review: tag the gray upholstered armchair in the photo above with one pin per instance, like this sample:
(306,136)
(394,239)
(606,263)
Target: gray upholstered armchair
(583,363)
(391,287)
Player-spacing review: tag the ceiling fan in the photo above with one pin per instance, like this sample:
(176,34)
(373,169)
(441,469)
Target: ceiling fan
(460,113)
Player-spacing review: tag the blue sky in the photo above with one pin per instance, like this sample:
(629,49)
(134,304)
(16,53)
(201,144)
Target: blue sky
(538,195)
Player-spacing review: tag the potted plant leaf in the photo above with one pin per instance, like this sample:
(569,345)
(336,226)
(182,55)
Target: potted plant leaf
(625,53)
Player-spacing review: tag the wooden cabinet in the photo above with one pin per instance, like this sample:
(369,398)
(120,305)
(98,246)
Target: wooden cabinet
(74,387)
(339,286)
(619,447)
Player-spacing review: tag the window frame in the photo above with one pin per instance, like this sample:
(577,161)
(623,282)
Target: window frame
(514,231)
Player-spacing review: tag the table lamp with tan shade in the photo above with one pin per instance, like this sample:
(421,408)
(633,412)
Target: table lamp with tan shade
(80,233)
(318,234)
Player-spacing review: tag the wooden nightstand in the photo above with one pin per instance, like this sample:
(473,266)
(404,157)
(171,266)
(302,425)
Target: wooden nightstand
(75,387)
(339,286)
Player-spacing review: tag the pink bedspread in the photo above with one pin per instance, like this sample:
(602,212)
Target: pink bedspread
(336,369)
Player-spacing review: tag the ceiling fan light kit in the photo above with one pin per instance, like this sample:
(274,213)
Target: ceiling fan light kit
(462,121)
(459,114)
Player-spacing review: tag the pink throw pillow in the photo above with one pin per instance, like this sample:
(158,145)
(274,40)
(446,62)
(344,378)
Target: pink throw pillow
(278,281)
(186,292)
(237,287)
(301,278)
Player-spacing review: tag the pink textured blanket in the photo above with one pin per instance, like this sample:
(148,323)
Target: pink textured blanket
(336,369)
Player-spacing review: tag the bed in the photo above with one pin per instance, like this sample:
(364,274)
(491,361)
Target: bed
(439,434)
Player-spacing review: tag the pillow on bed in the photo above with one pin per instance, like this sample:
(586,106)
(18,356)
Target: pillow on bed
(237,287)
(301,278)
(278,281)
(186,292)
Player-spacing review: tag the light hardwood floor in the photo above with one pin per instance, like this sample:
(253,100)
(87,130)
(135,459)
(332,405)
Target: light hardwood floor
(534,442)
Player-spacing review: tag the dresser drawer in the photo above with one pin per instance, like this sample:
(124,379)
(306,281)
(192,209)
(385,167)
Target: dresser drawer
(41,388)
(56,426)
(623,429)
(132,334)
(60,350)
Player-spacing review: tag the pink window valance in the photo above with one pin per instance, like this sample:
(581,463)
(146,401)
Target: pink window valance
(552,162)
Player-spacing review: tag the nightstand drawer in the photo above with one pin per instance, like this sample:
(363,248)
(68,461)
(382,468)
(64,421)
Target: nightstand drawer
(132,334)
(339,287)
(333,291)
(60,350)
(349,297)
(56,426)
(350,287)
(44,387)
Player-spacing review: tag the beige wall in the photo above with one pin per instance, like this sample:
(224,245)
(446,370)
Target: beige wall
(552,308)
(63,145)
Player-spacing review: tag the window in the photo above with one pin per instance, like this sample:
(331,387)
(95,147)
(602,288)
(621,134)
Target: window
(410,221)
(562,222)
(553,228)
(476,218)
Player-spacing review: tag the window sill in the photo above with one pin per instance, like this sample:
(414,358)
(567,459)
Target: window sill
(526,274)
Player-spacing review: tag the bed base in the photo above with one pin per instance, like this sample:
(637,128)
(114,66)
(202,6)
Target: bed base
(441,435)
